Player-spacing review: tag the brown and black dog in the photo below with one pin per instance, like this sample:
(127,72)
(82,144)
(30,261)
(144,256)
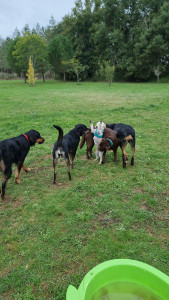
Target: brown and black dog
(14,151)
(111,141)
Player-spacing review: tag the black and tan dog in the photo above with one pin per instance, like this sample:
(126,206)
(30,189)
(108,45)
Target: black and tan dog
(14,151)
(66,147)
(125,130)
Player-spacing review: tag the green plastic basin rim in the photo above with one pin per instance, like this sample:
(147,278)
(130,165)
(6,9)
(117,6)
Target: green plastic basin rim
(74,294)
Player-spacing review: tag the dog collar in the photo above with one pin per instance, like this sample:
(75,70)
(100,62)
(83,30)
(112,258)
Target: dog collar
(26,137)
(111,143)
(98,135)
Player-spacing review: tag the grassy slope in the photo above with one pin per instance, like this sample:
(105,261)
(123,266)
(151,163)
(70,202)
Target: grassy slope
(51,236)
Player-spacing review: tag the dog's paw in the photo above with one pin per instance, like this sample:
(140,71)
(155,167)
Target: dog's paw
(28,170)
(17,180)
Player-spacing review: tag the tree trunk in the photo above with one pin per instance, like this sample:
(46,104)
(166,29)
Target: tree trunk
(77,77)
(25,78)
(43,76)
(158,78)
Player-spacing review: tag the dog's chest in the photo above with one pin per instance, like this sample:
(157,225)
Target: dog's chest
(97,140)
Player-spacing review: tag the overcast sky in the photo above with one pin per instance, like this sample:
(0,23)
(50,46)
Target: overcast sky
(17,13)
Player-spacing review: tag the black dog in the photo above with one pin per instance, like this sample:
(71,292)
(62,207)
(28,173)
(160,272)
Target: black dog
(125,130)
(66,146)
(14,151)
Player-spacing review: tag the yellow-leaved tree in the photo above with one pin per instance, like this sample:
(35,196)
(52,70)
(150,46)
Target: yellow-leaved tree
(31,74)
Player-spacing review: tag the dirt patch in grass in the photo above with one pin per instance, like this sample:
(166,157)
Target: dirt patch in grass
(145,207)
(139,190)
(166,193)
(14,203)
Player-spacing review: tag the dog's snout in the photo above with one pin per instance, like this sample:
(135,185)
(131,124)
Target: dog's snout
(40,140)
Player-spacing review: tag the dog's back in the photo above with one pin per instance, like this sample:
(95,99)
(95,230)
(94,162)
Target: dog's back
(67,143)
(109,133)
(125,129)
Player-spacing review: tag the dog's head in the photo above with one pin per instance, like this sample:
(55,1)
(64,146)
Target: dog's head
(34,137)
(100,127)
(104,145)
(80,129)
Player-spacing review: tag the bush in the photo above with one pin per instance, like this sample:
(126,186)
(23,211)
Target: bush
(7,76)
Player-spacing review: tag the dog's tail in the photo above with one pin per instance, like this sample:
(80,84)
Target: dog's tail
(121,136)
(60,137)
(82,141)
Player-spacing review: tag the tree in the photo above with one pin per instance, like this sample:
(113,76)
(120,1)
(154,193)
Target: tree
(4,65)
(30,45)
(107,70)
(50,31)
(11,58)
(152,47)
(157,72)
(59,50)
(31,74)
(76,67)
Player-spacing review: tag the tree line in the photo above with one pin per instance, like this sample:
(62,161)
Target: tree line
(128,37)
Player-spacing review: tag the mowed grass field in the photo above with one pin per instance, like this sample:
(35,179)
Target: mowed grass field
(52,235)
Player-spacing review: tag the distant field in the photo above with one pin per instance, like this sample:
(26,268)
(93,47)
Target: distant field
(51,236)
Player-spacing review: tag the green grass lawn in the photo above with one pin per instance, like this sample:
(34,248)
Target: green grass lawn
(52,235)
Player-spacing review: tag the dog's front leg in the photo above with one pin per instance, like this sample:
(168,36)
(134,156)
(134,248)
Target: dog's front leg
(92,127)
(18,169)
(24,167)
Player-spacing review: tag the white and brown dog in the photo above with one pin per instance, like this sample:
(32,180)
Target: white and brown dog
(98,134)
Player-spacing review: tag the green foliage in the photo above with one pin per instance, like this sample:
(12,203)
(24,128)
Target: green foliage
(11,58)
(133,35)
(76,67)
(107,70)
(4,65)
(59,50)
(26,46)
